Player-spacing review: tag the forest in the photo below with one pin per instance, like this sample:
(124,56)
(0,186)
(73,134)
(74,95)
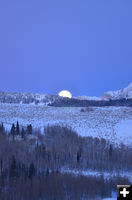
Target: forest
(67,102)
(31,164)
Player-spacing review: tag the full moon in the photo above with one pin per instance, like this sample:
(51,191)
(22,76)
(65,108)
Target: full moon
(65,93)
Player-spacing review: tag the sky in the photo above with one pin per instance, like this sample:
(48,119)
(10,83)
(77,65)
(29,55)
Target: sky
(84,46)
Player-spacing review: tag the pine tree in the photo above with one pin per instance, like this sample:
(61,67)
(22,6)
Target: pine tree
(79,155)
(2,129)
(13,131)
(17,128)
(31,171)
(110,152)
(29,129)
(22,133)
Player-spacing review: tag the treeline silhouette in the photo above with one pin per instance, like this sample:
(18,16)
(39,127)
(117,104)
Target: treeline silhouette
(67,102)
(30,167)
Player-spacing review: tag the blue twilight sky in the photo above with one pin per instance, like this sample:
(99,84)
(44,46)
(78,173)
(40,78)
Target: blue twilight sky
(84,46)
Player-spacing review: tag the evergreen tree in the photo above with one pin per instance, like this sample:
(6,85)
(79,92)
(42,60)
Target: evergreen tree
(31,171)
(110,152)
(13,131)
(29,129)
(17,128)
(23,133)
(79,155)
(2,129)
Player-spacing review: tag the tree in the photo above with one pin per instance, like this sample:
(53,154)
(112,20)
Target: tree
(2,129)
(31,171)
(13,167)
(110,150)
(79,152)
(13,130)
(1,166)
(29,129)
(17,128)
(23,133)
(47,172)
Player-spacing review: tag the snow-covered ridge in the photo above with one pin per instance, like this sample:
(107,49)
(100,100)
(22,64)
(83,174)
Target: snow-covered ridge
(119,94)
(45,99)
(26,98)
(88,98)
(35,98)
(125,93)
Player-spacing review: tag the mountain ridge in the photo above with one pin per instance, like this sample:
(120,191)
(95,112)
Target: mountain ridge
(125,93)
(46,99)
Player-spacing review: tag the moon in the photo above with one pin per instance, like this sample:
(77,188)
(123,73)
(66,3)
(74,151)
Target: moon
(65,93)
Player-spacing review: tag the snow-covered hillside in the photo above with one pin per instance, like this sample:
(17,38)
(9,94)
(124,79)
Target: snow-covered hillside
(45,99)
(27,98)
(32,98)
(112,123)
(119,94)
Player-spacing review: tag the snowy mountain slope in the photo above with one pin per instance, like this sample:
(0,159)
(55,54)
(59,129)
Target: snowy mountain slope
(27,98)
(119,94)
(106,122)
(31,98)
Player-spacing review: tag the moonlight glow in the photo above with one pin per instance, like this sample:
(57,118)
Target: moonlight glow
(65,93)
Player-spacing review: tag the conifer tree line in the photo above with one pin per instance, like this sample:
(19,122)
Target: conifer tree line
(67,102)
(39,160)
(15,130)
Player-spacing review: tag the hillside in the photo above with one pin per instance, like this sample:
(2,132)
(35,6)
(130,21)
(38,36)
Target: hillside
(125,93)
(112,123)
(26,98)
(121,97)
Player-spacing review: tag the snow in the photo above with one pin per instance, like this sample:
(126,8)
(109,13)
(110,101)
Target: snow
(124,128)
(107,175)
(112,123)
(128,89)
(88,98)
(123,93)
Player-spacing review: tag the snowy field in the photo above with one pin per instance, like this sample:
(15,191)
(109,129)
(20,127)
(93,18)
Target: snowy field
(113,123)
